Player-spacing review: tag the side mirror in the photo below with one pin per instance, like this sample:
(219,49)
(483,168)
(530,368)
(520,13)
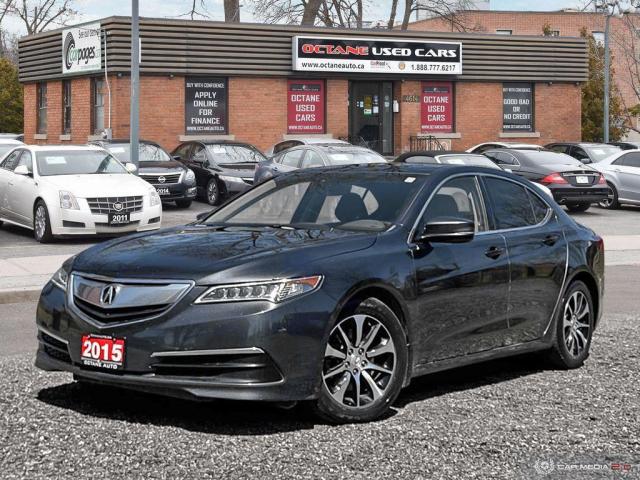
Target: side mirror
(22,170)
(448,230)
(131,168)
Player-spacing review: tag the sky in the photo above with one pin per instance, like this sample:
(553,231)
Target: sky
(377,9)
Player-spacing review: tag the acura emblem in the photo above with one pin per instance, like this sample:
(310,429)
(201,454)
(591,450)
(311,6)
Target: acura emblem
(161,179)
(108,294)
(117,206)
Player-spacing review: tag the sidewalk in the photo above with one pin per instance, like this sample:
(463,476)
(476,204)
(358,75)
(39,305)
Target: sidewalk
(22,278)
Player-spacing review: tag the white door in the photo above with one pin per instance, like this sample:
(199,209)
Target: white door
(6,175)
(23,191)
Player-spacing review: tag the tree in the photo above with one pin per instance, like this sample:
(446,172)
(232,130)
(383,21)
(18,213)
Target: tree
(593,99)
(450,10)
(10,98)
(38,15)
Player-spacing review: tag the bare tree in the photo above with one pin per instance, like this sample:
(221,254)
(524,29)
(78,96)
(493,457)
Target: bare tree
(232,11)
(449,10)
(392,14)
(310,12)
(37,15)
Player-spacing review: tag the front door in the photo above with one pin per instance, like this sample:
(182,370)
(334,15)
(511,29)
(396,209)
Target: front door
(371,115)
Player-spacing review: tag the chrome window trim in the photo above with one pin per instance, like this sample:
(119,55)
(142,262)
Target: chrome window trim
(222,351)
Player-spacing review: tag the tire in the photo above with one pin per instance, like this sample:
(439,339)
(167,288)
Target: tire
(574,328)
(183,203)
(612,202)
(347,364)
(578,207)
(212,193)
(41,223)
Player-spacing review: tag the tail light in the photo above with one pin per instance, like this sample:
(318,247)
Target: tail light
(602,180)
(555,178)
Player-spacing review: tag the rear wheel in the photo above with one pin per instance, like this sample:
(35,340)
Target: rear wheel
(578,207)
(41,223)
(611,202)
(183,203)
(574,328)
(213,192)
(364,365)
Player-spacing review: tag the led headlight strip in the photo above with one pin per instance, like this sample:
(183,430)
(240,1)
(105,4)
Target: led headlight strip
(274,291)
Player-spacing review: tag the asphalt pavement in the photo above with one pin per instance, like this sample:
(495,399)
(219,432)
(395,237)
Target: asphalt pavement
(503,419)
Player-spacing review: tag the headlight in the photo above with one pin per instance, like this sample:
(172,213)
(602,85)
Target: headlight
(225,178)
(154,198)
(190,177)
(68,201)
(274,292)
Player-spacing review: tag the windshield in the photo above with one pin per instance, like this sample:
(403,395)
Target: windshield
(224,154)
(5,148)
(549,158)
(359,201)
(601,152)
(148,152)
(477,160)
(350,156)
(77,162)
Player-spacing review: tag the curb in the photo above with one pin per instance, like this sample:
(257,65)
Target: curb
(20,295)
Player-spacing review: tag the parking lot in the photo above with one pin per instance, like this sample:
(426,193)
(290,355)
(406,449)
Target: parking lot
(496,420)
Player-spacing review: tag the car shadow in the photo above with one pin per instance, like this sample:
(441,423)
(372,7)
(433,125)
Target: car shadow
(244,418)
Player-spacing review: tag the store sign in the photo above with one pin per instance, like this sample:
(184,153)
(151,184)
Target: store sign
(81,50)
(517,107)
(372,55)
(305,106)
(205,100)
(436,107)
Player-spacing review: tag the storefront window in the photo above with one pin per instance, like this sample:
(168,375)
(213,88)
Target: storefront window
(517,107)
(436,107)
(97,116)
(41,126)
(66,106)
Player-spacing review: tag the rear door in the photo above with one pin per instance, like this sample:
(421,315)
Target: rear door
(537,255)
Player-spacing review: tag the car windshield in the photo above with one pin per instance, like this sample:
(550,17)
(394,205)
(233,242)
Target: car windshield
(4,148)
(359,201)
(148,152)
(477,160)
(549,158)
(225,154)
(350,156)
(601,152)
(77,162)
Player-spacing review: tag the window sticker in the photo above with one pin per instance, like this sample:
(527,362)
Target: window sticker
(55,160)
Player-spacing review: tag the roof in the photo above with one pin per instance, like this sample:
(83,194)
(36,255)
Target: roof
(62,148)
(10,141)
(122,140)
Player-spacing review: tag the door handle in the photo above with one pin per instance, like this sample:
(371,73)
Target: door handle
(551,240)
(494,252)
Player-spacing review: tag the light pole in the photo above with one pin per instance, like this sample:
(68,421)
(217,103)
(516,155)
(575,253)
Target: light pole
(134,119)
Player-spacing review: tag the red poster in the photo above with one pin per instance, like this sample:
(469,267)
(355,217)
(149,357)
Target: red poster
(305,106)
(436,107)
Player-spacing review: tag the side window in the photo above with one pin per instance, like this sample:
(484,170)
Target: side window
(183,151)
(504,158)
(285,145)
(25,159)
(540,208)
(199,155)
(511,205)
(579,153)
(11,162)
(558,148)
(621,161)
(484,148)
(312,159)
(458,198)
(292,158)
(632,160)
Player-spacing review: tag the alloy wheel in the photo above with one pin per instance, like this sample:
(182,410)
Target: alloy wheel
(41,221)
(212,192)
(610,200)
(576,323)
(359,361)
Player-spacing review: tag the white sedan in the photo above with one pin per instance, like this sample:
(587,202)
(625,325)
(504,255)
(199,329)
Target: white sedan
(69,190)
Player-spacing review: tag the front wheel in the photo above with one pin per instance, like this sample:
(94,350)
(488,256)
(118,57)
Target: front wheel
(213,192)
(41,223)
(578,207)
(574,328)
(364,365)
(611,202)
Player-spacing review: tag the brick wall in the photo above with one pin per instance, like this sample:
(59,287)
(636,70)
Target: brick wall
(478,113)
(80,110)
(337,109)
(30,118)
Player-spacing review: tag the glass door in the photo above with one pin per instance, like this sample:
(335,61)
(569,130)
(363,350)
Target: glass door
(371,115)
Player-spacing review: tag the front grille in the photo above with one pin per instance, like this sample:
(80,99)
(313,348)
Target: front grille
(55,348)
(156,179)
(116,315)
(105,205)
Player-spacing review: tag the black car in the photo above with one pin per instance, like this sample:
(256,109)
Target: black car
(445,157)
(223,168)
(336,286)
(626,145)
(584,151)
(315,155)
(571,182)
(173,181)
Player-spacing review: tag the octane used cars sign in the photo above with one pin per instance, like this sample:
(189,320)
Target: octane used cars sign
(81,49)
(371,55)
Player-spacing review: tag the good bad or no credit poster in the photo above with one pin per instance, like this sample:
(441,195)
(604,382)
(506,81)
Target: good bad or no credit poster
(205,100)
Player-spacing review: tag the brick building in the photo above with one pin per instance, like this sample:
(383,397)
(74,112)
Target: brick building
(625,38)
(263,83)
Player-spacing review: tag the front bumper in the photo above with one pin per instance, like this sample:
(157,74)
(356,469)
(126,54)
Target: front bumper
(177,191)
(282,345)
(84,222)
(564,195)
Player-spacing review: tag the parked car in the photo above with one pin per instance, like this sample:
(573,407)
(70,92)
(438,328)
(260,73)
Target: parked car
(295,142)
(223,169)
(622,173)
(12,136)
(572,183)
(172,180)
(626,145)
(483,147)
(312,156)
(584,151)
(73,190)
(8,144)
(335,286)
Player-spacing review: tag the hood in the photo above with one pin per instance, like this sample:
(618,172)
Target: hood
(99,185)
(161,167)
(199,252)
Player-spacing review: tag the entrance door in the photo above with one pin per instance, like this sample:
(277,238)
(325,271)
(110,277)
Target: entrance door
(371,115)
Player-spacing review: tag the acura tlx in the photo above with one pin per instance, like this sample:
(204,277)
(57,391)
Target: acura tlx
(335,288)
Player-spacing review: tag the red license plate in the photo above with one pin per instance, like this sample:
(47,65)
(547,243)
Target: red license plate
(102,352)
